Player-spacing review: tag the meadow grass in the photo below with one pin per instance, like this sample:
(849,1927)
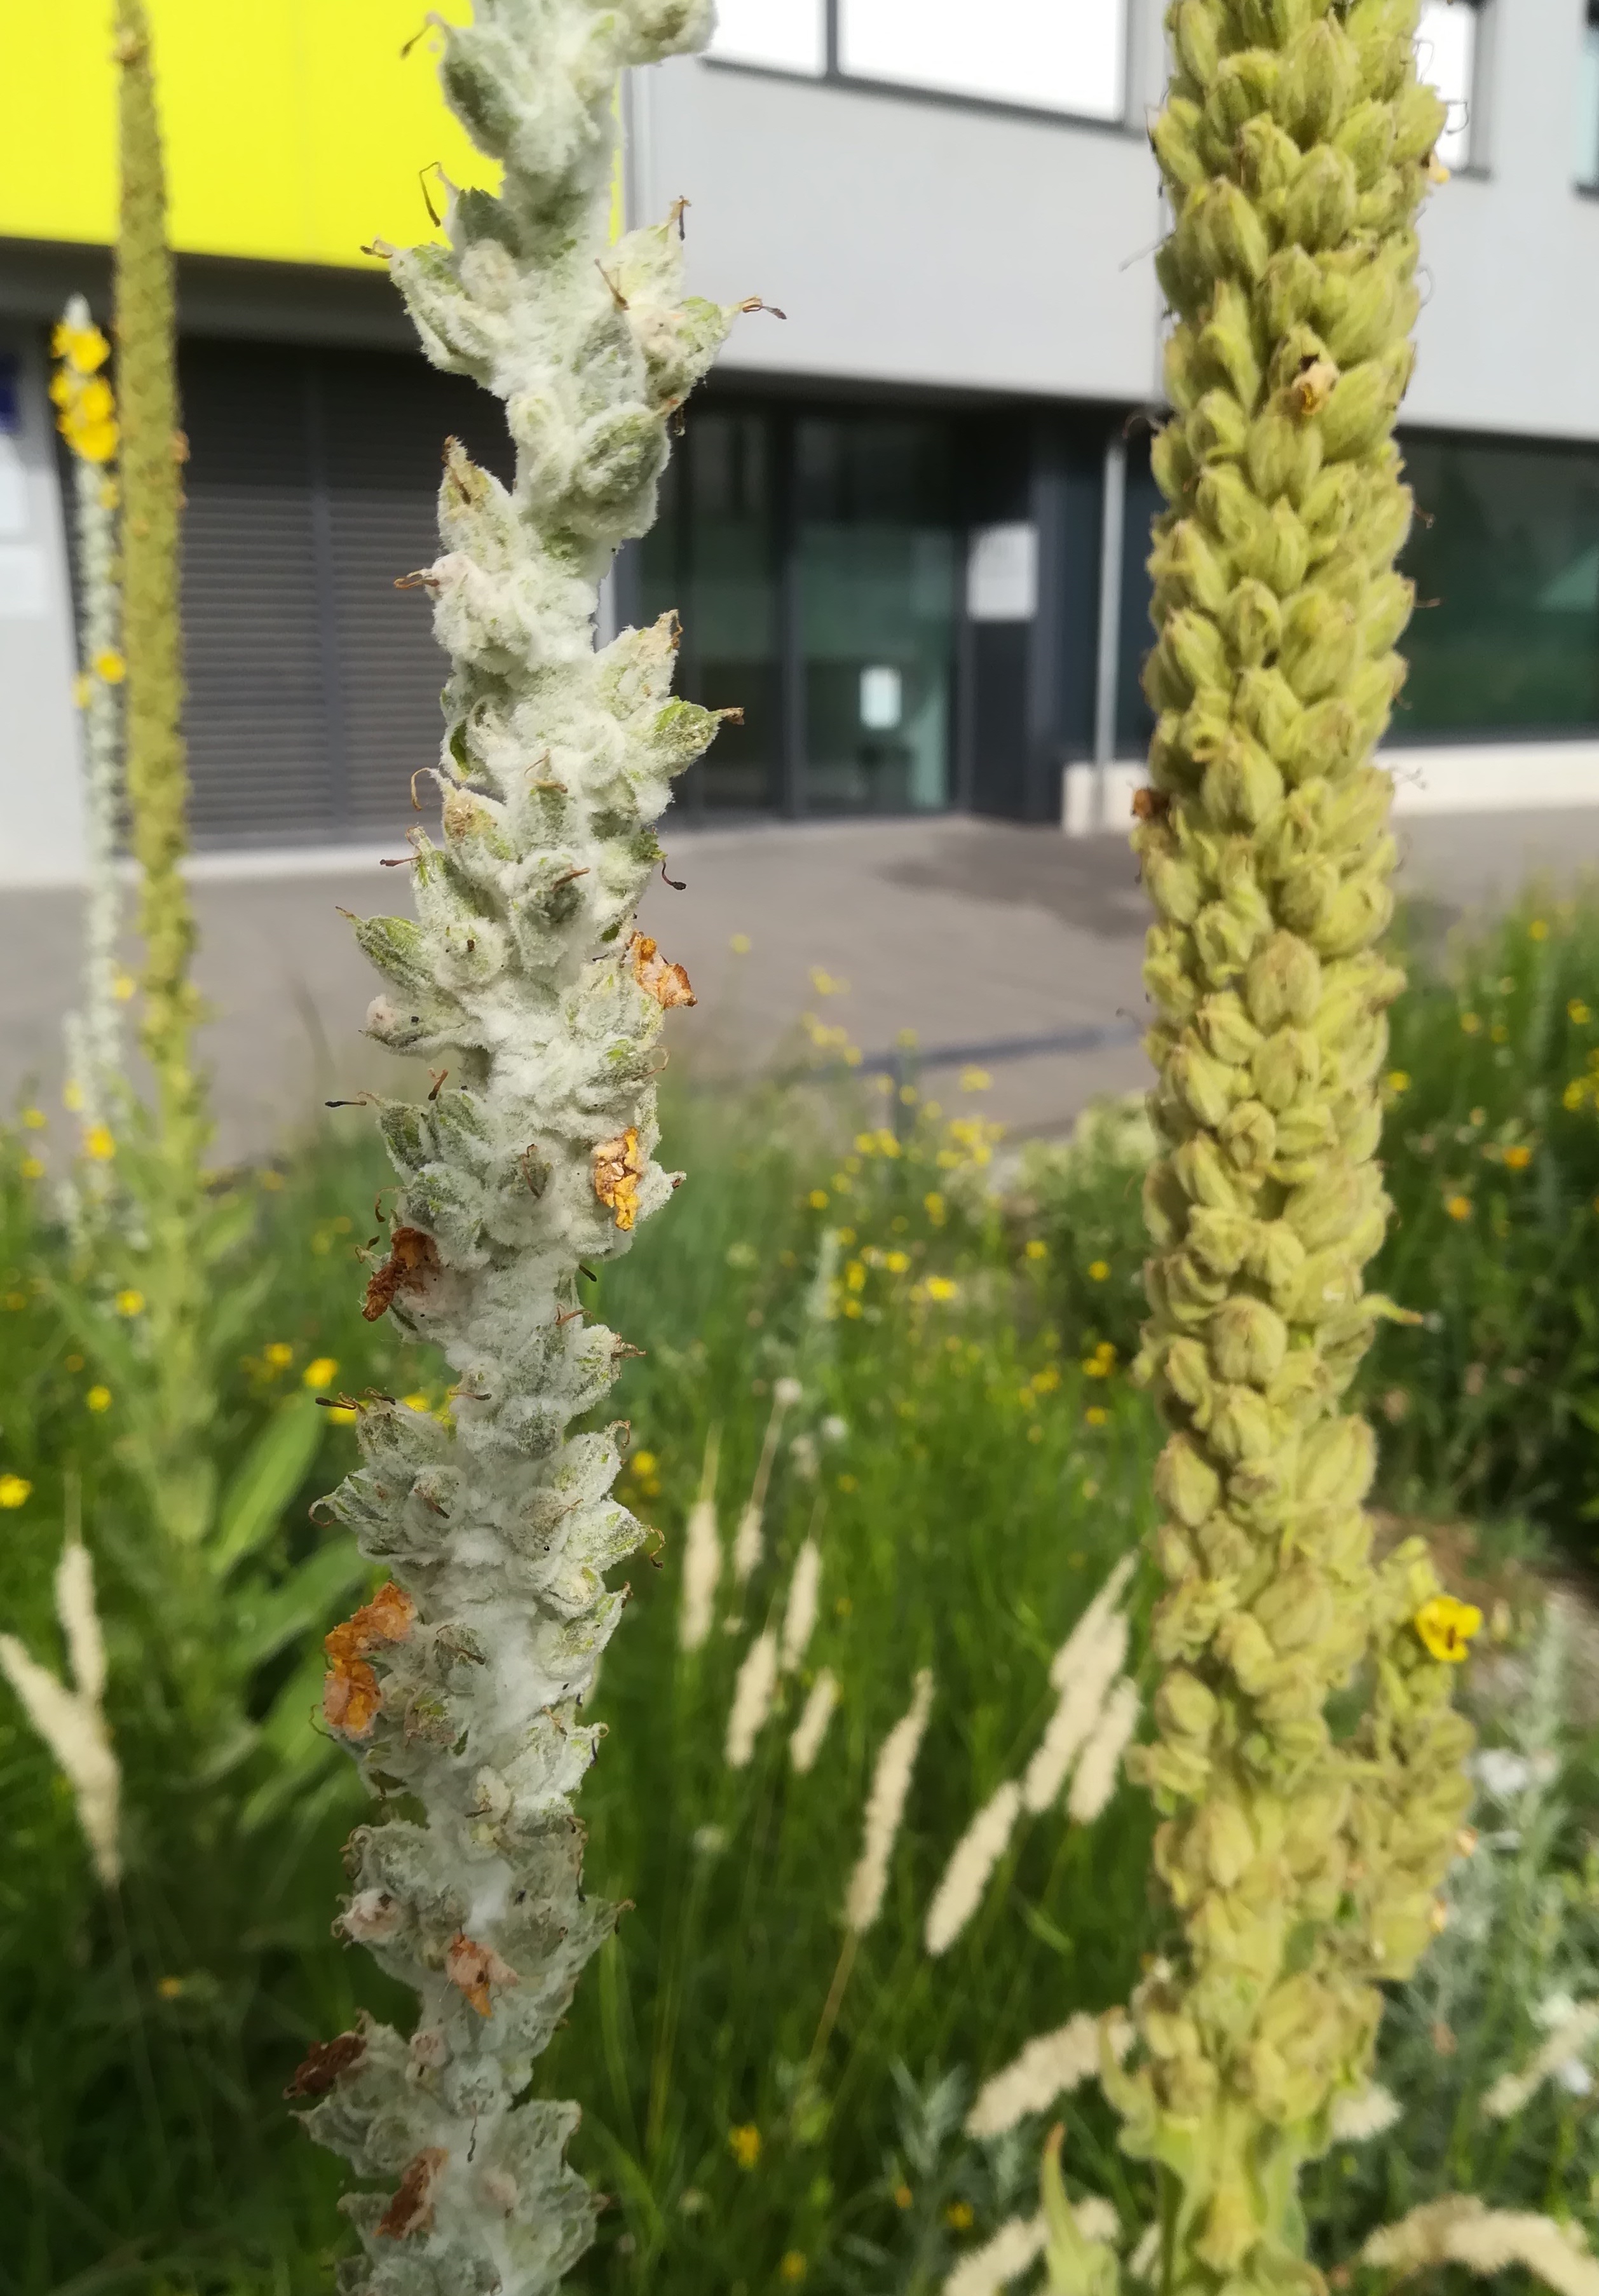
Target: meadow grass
(767,2103)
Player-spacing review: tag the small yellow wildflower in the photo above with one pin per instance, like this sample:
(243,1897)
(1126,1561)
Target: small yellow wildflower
(1578,1014)
(72,1098)
(740,944)
(817,1199)
(1096,1415)
(15,1491)
(98,1144)
(846,1238)
(130,1302)
(744,2145)
(170,1988)
(1036,1248)
(123,988)
(32,1169)
(642,1462)
(319,1371)
(1537,930)
(342,1414)
(898,1263)
(792,2267)
(933,1205)
(827,984)
(99,1398)
(1575,1093)
(939,1287)
(902,2196)
(1459,1208)
(1398,1080)
(1471,1023)
(1478,1116)
(278,1353)
(1446,1626)
(1046,1382)
(975,1080)
(958,2216)
(35,1119)
(1518,1158)
(417,1402)
(854,1276)
(1096,1367)
(1098,1270)
(110,666)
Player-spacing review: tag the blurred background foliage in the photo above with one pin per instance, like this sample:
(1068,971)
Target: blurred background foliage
(971,1459)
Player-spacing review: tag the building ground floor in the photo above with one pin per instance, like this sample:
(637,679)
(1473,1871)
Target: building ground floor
(920,603)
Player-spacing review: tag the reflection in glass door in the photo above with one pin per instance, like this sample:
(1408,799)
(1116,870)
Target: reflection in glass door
(712,556)
(812,557)
(874,547)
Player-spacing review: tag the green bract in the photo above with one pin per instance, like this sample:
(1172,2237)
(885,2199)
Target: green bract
(1302,1865)
(461,1687)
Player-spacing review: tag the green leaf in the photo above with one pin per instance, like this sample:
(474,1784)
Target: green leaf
(273,1469)
(265,1621)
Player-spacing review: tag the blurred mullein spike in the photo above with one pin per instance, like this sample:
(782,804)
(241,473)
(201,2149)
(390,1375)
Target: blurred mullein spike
(523,985)
(1303,1868)
(87,419)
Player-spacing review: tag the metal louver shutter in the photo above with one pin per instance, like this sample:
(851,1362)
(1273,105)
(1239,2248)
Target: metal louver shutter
(313,681)
(255,716)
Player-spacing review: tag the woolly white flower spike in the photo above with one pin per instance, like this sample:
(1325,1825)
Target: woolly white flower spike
(701,1555)
(71,1720)
(522,981)
(1460,2229)
(1572,2037)
(752,1696)
(971,1862)
(1049,2067)
(811,1728)
(885,1809)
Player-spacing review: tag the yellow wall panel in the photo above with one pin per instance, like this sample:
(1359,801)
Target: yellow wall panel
(295,129)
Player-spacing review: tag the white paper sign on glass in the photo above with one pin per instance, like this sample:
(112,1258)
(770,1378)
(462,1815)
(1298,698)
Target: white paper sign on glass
(1051,55)
(1002,573)
(783,34)
(1446,52)
(883,698)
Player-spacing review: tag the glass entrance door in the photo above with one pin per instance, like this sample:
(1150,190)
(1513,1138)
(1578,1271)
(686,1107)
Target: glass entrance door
(874,575)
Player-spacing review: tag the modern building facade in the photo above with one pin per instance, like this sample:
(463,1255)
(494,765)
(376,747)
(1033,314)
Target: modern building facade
(906,523)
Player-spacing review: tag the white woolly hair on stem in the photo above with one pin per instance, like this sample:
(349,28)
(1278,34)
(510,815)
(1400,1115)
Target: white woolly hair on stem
(71,1720)
(1018,2243)
(750,1540)
(1365,2114)
(1099,1766)
(885,1809)
(702,1555)
(971,1865)
(811,1728)
(1098,1656)
(751,1700)
(799,1612)
(1574,2034)
(1461,2229)
(1049,2067)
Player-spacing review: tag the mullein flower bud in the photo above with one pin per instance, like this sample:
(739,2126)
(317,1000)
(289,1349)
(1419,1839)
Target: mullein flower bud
(1303,1869)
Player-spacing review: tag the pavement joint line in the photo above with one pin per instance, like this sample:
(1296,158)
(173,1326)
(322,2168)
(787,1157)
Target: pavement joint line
(1092,1038)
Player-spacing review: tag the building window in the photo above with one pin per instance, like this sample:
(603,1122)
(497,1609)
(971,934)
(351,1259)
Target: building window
(1049,55)
(1587,103)
(783,34)
(1505,560)
(1446,43)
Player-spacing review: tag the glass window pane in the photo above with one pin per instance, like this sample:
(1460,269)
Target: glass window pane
(877,574)
(1507,570)
(1060,55)
(712,556)
(787,34)
(1587,103)
(1446,43)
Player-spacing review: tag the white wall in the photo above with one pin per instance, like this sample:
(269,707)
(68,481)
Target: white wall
(910,240)
(41,817)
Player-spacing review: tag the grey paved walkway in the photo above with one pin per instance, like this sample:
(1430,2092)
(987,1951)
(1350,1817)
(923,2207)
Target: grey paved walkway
(965,931)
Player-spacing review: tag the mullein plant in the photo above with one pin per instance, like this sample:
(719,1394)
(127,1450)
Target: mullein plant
(86,418)
(459,1687)
(1303,1844)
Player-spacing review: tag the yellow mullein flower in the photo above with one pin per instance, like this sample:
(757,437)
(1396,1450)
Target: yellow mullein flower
(110,666)
(1446,1626)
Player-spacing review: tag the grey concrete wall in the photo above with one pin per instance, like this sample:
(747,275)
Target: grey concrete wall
(916,240)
